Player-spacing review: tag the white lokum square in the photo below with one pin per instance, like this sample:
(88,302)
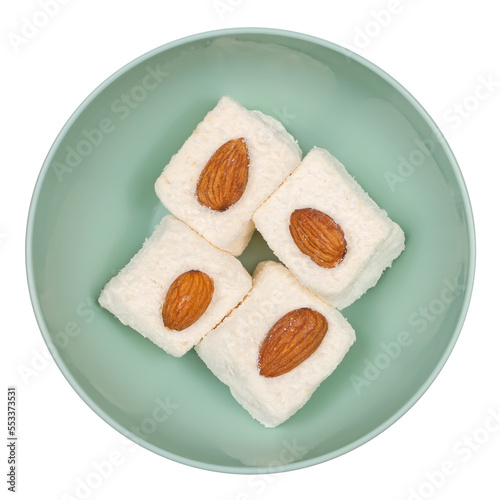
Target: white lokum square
(269,151)
(371,239)
(232,350)
(136,296)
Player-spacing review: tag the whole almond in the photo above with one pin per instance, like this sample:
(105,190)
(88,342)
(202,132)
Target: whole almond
(318,236)
(225,176)
(292,339)
(187,299)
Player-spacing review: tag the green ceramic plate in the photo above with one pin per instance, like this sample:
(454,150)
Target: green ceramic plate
(94,204)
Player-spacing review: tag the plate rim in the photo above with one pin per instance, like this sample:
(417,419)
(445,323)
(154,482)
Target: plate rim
(280,33)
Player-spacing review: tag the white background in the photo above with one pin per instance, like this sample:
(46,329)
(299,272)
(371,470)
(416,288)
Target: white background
(440,51)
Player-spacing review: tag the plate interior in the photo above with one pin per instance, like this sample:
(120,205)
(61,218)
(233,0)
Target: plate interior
(94,205)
